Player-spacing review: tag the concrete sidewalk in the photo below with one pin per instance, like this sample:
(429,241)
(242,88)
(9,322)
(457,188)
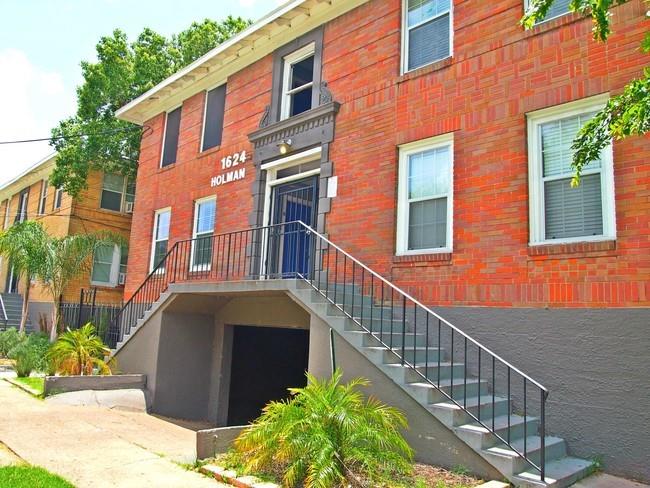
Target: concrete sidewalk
(97,447)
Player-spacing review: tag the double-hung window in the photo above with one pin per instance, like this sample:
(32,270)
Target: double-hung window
(170,137)
(43,198)
(160,238)
(109,265)
(202,232)
(425,203)
(557,9)
(559,212)
(427,32)
(23,198)
(298,81)
(118,193)
(58,198)
(215,104)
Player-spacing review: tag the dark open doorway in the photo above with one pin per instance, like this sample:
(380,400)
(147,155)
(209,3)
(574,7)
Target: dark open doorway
(265,362)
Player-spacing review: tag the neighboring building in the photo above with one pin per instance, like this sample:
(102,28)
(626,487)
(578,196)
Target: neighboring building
(106,204)
(430,140)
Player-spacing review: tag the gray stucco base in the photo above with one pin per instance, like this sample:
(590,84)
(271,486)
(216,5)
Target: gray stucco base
(595,363)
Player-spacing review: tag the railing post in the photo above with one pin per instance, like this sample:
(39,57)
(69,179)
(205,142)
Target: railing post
(542,427)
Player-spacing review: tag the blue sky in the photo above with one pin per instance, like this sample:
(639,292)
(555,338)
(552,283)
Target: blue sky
(43,41)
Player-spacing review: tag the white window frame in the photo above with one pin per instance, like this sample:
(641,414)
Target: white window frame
(195,234)
(527,4)
(42,199)
(23,201)
(289,60)
(536,180)
(405,151)
(58,199)
(162,146)
(156,218)
(405,36)
(125,184)
(115,270)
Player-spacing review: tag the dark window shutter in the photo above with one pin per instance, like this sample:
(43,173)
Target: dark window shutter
(214,111)
(171,137)
(429,42)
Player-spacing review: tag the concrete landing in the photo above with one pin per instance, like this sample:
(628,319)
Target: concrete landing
(604,480)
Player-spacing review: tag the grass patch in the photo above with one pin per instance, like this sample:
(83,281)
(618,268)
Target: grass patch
(30,477)
(36,383)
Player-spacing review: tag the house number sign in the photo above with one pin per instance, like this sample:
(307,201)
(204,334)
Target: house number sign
(231,171)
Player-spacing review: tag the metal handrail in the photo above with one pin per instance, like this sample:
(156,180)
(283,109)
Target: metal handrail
(418,303)
(263,253)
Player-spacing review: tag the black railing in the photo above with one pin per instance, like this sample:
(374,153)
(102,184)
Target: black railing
(417,337)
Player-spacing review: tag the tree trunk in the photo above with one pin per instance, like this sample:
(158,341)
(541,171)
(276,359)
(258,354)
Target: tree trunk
(23,318)
(55,321)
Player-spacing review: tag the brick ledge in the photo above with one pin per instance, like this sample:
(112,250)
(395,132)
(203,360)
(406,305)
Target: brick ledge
(572,248)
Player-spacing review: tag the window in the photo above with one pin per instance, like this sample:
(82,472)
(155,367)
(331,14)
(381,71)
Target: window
(425,206)
(560,213)
(160,237)
(427,32)
(298,82)
(170,137)
(58,197)
(557,9)
(204,217)
(215,105)
(21,214)
(108,265)
(43,198)
(7,214)
(117,192)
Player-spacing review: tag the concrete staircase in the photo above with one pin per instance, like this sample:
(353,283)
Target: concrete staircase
(14,309)
(561,469)
(430,359)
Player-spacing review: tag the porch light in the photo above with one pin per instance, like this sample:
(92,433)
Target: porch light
(285,146)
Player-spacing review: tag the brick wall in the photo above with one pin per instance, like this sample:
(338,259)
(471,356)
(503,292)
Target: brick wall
(498,73)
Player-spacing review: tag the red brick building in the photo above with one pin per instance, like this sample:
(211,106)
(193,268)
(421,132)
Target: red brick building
(434,140)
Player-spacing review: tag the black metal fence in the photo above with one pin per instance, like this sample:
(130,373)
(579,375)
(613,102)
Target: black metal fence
(75,315)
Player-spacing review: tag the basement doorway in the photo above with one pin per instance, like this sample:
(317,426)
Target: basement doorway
(265,362)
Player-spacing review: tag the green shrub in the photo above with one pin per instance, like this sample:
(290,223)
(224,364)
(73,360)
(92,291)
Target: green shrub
(8,340)
(31,352)
(328,435)
(26,360)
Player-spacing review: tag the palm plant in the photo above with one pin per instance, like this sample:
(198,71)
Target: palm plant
(79,352)
(22,245)
(328,435)
(64,259)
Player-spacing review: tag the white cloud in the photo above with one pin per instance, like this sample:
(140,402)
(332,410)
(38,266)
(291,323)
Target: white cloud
(32,101)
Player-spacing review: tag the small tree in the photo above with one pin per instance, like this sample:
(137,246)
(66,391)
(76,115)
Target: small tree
(22,245)
(328,435)
(79,352)
(64,259)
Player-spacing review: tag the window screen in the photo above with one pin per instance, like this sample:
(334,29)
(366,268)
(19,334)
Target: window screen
(112,190)
(569,212)
(428,30)
(172,128)
(214,112)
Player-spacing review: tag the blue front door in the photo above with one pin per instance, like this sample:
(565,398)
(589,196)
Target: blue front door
(289,244)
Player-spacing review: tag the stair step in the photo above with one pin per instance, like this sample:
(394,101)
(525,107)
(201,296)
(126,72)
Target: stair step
(433,393)
(431,371)
(507,460)
(453,415)
(559,473)
(377,324)
(382,355)
(480,437)
(362,338)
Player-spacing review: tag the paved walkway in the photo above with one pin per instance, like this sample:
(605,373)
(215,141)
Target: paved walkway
(96,447)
